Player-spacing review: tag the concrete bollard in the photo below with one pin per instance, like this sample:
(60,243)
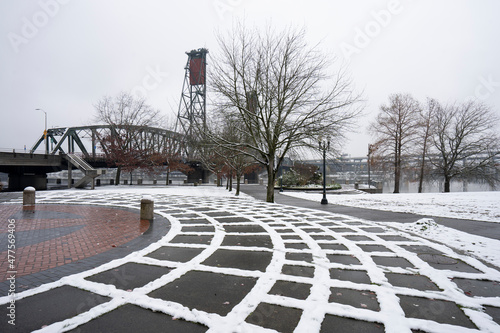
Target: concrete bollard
(147,208)
(29,196)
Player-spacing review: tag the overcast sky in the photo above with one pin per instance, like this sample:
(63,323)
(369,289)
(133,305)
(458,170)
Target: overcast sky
(62,55)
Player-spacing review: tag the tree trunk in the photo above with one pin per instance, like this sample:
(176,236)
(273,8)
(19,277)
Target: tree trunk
(118,174)
(397,174)
(231,181)
(424,154)
(168,178)
(396,182)
(270,183)
(421,177)
(238,182)
(447,182)
(397,164)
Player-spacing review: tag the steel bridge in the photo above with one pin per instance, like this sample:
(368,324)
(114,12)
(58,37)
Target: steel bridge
(143,137)
(83,148)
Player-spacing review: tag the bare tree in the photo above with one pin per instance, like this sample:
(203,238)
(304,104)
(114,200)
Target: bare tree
(395,128)
(220,159)
(126,115)
(170,158)
(126,110)
(212,158)
(278,88)
(207,151)
(425,133)
(237,161)
(466,142)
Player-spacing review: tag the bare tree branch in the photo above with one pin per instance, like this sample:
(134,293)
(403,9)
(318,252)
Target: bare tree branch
(465,141)
(276,86)
(395,128)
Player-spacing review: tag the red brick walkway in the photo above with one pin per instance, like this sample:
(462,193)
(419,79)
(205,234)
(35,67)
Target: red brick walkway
(55,235)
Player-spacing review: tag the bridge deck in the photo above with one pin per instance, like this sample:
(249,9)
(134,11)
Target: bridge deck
(35,163)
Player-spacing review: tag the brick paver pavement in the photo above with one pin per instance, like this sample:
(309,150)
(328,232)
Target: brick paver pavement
(53,240)
(53,235)
(233,264)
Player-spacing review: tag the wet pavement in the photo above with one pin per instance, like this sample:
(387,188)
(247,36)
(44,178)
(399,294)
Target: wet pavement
(54,240)
(225,264)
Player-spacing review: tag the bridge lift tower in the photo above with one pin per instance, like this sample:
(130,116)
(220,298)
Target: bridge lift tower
(191,117)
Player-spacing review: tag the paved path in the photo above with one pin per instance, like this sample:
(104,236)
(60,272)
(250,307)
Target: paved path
(233,264)
(56,240)
(484,229)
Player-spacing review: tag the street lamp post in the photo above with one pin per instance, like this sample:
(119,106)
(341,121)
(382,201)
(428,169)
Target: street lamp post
(281,178)
(324,146)
(45,133)
(370,148)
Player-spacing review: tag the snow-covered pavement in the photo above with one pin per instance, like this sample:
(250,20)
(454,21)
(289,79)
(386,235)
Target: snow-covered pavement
(240,265)
(479,206)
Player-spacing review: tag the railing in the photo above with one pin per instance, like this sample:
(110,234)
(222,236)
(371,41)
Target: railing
(20,151)
(79,162)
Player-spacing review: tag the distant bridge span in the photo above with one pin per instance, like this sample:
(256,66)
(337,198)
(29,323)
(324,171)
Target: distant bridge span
(65,139)
(61,144)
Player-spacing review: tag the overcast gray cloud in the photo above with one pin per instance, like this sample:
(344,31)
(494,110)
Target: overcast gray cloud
(62,55)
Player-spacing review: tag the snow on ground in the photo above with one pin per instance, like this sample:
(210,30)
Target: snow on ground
(479,206)
(483,248)
(191,191)
(280,221)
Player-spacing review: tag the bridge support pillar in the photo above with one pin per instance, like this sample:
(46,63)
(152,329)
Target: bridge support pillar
(198,173)
(18,182)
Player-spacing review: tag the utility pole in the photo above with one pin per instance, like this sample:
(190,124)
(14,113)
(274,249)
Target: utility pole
(370,147)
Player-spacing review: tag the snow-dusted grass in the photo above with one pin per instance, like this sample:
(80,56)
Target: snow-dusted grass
(479,206)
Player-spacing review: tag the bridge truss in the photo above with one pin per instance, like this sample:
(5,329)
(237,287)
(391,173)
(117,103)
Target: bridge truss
(90,140)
